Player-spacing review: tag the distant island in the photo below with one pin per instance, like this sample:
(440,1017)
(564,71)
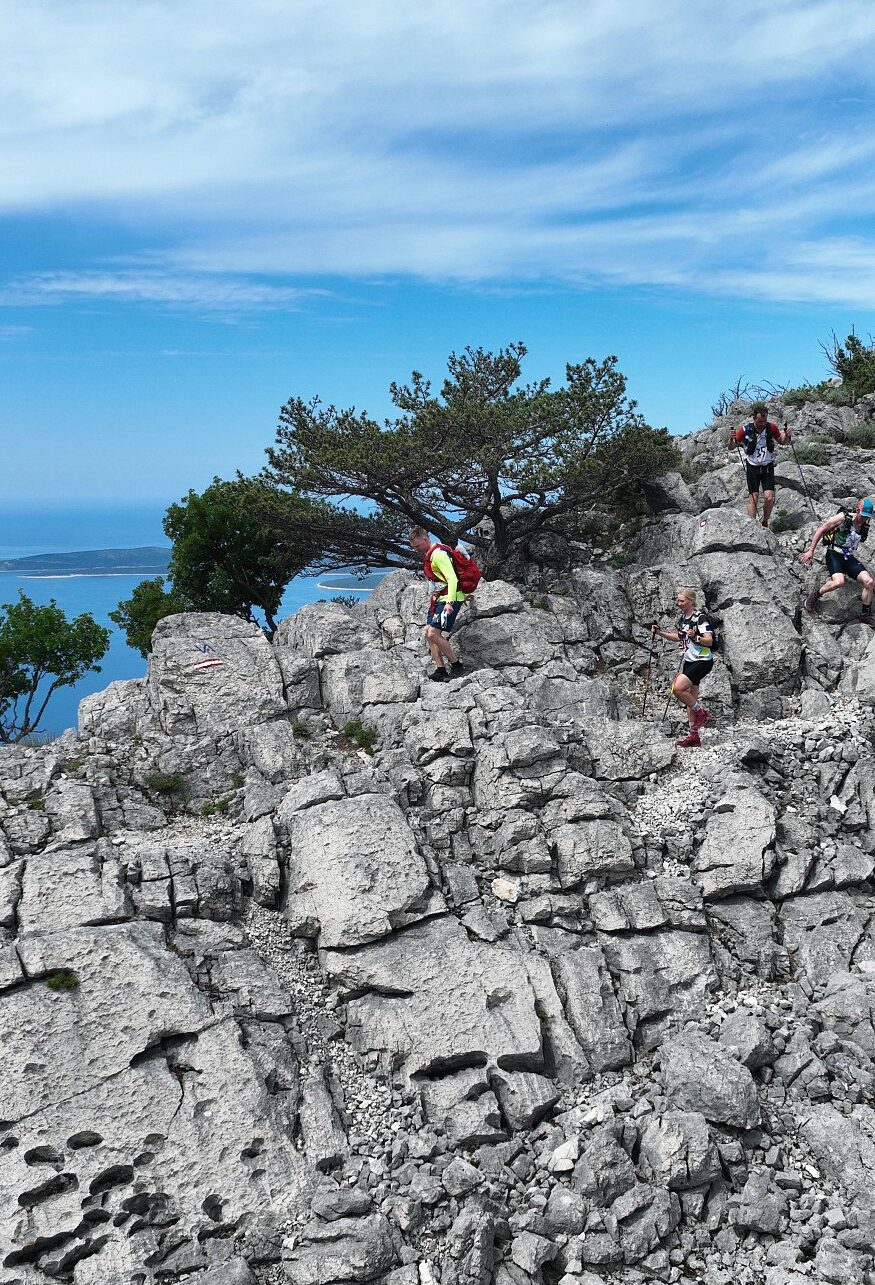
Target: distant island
(151,560)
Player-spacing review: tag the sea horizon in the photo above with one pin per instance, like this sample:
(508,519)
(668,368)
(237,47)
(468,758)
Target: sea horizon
(62,529)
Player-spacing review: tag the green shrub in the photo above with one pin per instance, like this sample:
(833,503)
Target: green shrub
(62,979)
(813,454)
(164,782)
(362,734)
(832,394)
(301,730)
(542,604)
(345,600)
(36,803)
(620,560)
(218,805)
(862,436)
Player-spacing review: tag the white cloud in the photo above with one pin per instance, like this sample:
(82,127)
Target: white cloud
(657,141)
(209,293)
(15,332)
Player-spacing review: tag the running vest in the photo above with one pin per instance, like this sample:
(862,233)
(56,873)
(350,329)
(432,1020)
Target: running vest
(760,447)
(845,539)
(701,623)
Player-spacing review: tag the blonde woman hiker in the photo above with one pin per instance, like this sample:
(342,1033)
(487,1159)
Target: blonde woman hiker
(697,633)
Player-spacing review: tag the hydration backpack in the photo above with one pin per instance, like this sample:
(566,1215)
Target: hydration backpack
(715,630)
(467,571)
(750,437)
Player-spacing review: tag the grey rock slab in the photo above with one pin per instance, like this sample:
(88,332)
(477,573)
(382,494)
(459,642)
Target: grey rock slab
(340,1202)
(825,932)
(348,1249)
(737,852)
(244,688)
(354,868)
(114,713)
(676,1151)
(620,753)
(132,992)
(524,1096)
(587,849)
(848,1008)
(258,847)
(565,1059)
(775,660)
(700,1076)
(760,1207)
(70,804)
(354,681)
(272,749)
(316,787)
(69,889)
(10,893)
(591,1007)
(528,638)
(427,735)
(661,977)
(844,1149)
(323,629)
(471,1243)
(460,1177)
(748,1039)
(645,1216)
(604,1171)
(431,996)
(325,1141)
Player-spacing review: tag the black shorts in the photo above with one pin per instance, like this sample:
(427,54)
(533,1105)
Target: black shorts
(839,564)
(696,670)
(435,616)
(760,477)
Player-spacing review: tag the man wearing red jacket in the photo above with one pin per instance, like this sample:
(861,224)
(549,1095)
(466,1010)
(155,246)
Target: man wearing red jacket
(444,605)
(757,440)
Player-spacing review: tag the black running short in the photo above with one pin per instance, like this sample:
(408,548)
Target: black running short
(844,565)
(760,477)
(696,670)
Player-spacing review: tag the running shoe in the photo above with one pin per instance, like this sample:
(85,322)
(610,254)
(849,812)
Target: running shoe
(700,718)
(810,603)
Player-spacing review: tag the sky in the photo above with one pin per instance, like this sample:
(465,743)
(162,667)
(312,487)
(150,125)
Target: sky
(208,208)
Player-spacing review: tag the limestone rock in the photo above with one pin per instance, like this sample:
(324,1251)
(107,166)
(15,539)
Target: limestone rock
(349,1249)
(354,869)
(435,998)
(243,688)
(737,853)
(700,1076)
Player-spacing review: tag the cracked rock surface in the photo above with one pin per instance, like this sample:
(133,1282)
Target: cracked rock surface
(526,996)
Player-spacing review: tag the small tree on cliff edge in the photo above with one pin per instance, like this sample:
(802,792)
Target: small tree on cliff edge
(40,651)
(225,558)
(518,459)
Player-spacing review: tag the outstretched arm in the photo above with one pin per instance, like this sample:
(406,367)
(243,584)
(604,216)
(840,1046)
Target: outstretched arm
(829,525)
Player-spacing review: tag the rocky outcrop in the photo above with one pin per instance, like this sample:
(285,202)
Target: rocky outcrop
(525,995)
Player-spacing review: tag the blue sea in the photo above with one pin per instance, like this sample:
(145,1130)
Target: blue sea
(67,529)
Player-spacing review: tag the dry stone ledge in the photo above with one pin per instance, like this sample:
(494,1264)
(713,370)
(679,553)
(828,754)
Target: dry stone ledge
(353,682)
(435,1000)
(354,870)
(244,688)
(348,1249)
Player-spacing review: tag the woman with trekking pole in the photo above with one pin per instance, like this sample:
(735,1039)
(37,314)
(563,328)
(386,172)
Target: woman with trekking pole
(697,635)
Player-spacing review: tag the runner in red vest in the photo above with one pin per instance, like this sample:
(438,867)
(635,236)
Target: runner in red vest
(757,439)
(444,566)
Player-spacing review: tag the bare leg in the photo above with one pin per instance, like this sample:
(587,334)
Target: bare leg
(752,501)
(865,579)
(768,504)
(834,582)
(687,694)
(439,646)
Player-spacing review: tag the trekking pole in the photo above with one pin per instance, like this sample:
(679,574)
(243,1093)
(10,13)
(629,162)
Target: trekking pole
(648,671)
(802,476)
